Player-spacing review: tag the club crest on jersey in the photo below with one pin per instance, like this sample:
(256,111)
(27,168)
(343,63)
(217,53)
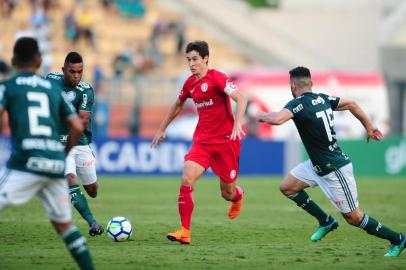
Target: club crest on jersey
(233,173)
(204,87)
(71,96)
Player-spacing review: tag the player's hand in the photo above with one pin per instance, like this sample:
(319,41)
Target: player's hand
(374,134)
(237,132)
(159,137)
(261,116)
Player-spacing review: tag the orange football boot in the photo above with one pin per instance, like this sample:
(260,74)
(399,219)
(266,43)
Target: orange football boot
(235,208)
(182,236)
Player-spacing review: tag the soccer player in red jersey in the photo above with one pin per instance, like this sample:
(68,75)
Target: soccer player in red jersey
(216,141)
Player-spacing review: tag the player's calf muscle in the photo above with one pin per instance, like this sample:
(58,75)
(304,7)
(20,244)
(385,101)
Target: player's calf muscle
(91,190)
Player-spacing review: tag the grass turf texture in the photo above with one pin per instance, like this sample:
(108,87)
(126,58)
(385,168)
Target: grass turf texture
(271,232)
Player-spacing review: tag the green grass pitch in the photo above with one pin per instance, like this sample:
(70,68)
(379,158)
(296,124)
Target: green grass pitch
(271,232)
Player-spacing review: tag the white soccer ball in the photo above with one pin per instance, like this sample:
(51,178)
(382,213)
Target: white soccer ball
(119,229)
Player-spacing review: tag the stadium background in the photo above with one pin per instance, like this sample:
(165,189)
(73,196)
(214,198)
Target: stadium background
(133,53)
(355,49)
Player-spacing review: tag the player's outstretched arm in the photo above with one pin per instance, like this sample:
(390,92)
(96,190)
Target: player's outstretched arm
(372,131)
(75,129)
(175,109)
(241,100)
(275,118)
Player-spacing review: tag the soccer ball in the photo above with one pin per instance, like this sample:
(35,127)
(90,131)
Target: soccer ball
(119,229)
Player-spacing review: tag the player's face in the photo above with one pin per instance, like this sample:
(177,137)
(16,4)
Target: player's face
(197,64)
(73,73)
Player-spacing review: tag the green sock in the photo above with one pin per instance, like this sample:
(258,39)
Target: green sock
(77,246)
(303,200)
(374,227)
(80,203)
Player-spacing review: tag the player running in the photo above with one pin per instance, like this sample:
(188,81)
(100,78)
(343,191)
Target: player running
(328,166)
(80,163)
(216,141)
(36,109)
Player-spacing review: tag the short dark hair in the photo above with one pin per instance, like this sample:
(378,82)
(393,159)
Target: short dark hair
(73,58)
(25,51)
(300,72)
(199,46)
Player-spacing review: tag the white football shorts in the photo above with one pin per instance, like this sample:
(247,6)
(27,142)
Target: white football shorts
(82,163)
(18,187)
(339,186)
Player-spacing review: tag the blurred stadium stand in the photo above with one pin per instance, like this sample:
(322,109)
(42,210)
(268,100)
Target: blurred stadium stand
(133,52)
(133,45)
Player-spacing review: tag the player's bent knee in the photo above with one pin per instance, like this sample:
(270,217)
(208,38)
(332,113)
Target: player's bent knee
(353,218)
(286,190)
(61,227)
(188,181)
(72,180)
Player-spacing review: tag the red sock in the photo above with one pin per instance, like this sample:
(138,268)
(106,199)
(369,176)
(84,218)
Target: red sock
(238,194)
(185,205)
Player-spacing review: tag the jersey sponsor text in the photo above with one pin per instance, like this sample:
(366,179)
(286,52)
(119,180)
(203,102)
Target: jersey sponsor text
(204,104)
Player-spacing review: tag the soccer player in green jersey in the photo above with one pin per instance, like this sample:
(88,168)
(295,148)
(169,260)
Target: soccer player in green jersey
(328,166)
(80,163)
(36,109)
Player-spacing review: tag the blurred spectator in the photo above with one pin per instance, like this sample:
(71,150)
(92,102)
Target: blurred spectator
(85,22)
(24,31)
(101,117)
(41,30)
(71,26)
(143,61)
(175,27)
(47,5)
(46,47)
(5,69)
(107,4)
(130,8)
(119,64)
(180,35)
(38,18)
(122,62)
(98,77)
(7,7)
(160,27)
(135,121)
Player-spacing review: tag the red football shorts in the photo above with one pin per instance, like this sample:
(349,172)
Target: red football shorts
(222,158)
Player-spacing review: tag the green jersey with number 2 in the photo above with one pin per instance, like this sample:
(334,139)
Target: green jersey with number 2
(37,108)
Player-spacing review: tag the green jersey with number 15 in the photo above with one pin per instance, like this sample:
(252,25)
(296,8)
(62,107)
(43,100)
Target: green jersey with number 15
(313,117)
(37,108)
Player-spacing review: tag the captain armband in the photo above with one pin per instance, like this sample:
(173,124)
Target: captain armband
(230,87)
